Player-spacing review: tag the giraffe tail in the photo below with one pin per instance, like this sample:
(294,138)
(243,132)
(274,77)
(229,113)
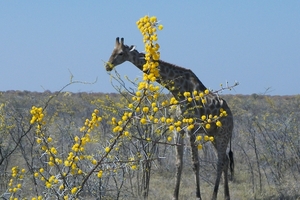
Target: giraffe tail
(231,162)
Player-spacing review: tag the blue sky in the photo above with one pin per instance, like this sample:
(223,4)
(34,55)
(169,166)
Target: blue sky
(256,43)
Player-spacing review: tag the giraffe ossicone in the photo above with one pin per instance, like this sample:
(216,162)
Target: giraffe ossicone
(179,80)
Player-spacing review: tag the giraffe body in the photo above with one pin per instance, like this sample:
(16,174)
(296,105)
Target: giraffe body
(184,80)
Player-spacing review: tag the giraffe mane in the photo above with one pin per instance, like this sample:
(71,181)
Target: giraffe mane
(201,85)
(189,71)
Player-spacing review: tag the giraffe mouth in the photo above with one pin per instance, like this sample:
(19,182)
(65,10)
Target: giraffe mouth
(109,66)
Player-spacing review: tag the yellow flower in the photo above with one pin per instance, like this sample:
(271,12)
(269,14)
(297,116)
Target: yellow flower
(74,190)
(44,148)
(218,123)
(153,19)
(119,128)
(145,109)
(169,120)
(138,93)
(160,27)
(115,129)
(190,120)
(164,103)
(143,121)
(126,133)
(169,139)
(53,150)
(186,94)
(100,173)
(199,146)
(124,118)
(40,109)
(67,163)
(206,138)
(48,185)
(198,138)
(58,161)
(190,127)
(51,179)
(38,140)
(133,167)
(178,123)
(107,149)
(49,139)
(61,187)
(203,117)
(94,162)
(207,126)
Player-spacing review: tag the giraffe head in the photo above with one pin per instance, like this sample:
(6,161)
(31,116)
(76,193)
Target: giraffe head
(120,54)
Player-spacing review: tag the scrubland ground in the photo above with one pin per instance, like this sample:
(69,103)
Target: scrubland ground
(266,146)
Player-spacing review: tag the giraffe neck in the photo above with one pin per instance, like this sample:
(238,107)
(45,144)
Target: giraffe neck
(174,78)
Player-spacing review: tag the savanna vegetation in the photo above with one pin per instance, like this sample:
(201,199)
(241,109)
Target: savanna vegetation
(66,145)
(266,148)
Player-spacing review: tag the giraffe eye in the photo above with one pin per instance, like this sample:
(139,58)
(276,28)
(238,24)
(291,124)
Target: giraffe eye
(121,54)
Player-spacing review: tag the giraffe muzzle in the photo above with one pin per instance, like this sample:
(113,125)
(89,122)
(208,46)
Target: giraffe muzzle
(109,66)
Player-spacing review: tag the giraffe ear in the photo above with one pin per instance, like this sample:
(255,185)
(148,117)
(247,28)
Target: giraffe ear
(131,48)
(117,41)
(122,41)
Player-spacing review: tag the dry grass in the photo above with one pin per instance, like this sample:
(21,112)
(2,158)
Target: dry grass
(162,185)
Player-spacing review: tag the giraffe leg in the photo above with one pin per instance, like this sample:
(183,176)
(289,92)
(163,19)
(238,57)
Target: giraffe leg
(179,162)
(196,165)
(220,167)
(219,173)
(226,187)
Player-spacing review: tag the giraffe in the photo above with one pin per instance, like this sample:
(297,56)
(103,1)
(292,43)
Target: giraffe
(179,80)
